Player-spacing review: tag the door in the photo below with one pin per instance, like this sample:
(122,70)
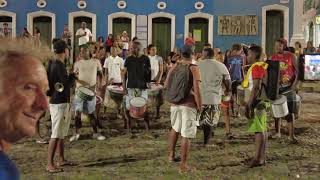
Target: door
(199,29)
(311,32)
(274,29)
(121,24)
(6,26)
(77,25)
(44,23)
(161,35)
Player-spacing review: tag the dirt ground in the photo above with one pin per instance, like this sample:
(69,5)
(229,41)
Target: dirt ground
(145,157)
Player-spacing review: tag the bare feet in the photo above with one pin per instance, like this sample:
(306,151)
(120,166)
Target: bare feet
(53,169)
(186,169)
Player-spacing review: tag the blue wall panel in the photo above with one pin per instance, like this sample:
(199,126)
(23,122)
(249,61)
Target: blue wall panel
(180,8)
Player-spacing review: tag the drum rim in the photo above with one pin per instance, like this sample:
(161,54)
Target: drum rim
(83,87)
(281,97)
(139,98)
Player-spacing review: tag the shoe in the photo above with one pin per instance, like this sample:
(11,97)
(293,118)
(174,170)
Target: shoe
(98,137)
(75,137)
(276,136)
(42,141)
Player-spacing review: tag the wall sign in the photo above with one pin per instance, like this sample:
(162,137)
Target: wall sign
(238,25)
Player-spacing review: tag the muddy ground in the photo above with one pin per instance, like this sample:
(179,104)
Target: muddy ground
(143,157)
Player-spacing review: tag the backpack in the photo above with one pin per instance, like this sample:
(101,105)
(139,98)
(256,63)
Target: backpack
(271,82)
(179,83)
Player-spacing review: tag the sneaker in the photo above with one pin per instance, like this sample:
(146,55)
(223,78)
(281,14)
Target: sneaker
(75,137)
(42,141)
(98,137)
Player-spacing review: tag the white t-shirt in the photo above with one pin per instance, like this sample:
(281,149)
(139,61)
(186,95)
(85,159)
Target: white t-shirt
(86,38)
(114,66)
(88,70)
(213,73)
(155,62)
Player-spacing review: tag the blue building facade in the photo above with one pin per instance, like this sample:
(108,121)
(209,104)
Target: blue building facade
(180,12)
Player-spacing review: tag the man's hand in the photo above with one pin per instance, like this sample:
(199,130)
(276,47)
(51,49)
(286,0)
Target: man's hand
(125,92)
(226,93)
(110,81)
(157,83)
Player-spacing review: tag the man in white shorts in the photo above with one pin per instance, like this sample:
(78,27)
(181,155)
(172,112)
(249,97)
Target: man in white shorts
(87,70)
(184,112)
(59,93)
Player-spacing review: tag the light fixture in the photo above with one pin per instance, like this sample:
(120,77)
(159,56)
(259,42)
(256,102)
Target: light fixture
(82,4)
(121,4)
(3,3)
(199,5)
(162,5)
(41,3)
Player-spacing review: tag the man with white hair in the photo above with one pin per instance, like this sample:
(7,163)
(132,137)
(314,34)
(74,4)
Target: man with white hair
(23,100)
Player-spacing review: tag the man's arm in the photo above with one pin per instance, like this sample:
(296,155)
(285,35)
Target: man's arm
(253,96)
(196,87)
(296,69)
(160,72)
(227,84)
(124,80)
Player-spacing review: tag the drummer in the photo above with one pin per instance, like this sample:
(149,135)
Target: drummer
(288,80)
(87,70)
(114,66)
(156,63)
(135,76)
(256,106)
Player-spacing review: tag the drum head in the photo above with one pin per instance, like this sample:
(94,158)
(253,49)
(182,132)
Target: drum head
(138,102)
(281,100)
(86,91)
(115,89)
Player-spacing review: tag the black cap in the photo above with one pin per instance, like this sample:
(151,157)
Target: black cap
(187,51)
(59,46)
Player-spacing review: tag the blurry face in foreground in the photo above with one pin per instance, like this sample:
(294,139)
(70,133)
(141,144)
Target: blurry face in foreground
(23,98)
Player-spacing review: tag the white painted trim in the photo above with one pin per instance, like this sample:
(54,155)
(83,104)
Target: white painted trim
(32,15)
(14,20)
(122,15)
(199,15)
(276,7)
(75,14)
(173,26)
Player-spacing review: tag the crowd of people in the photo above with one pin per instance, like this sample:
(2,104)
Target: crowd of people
(198,86)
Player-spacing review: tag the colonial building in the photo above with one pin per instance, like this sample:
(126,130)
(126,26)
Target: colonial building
(165,23)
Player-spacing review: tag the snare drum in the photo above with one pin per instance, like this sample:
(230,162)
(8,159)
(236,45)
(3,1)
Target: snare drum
(297,106)
(243,95)
(113,96)
(155,95)
(138,107)
(85,94)
(279,107)
(116,92)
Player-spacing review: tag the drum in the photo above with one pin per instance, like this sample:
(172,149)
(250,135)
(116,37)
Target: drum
(297,106)
(155,97)
(116,92)
(138,107)
(113,96)
(243,95)
(85,94)
(279,107)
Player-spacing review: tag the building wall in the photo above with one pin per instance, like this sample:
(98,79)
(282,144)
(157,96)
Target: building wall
(180,8)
